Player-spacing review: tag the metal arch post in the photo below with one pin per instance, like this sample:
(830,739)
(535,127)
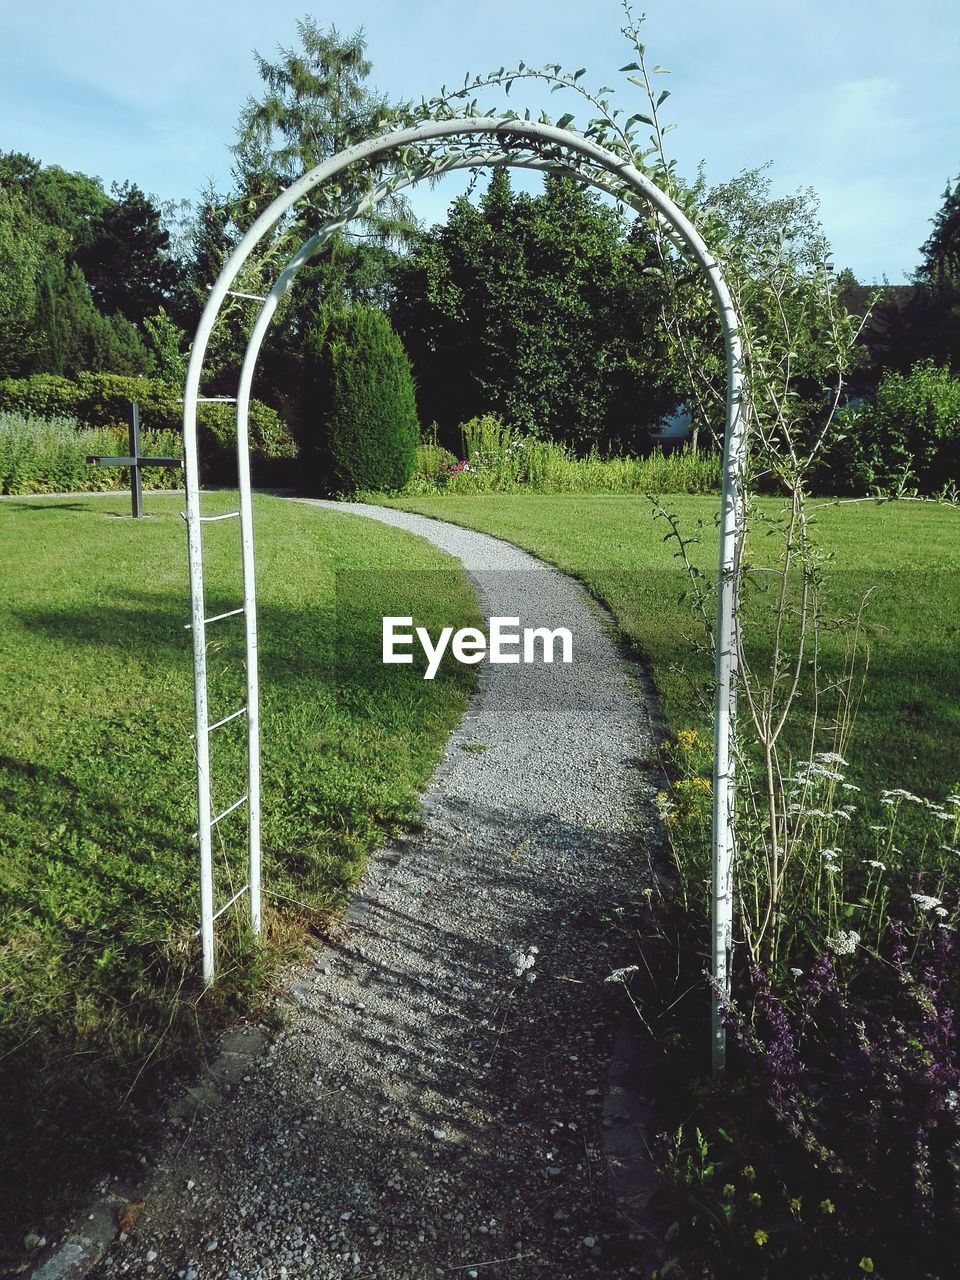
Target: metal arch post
(252,668)
(254,857)
(198,632)
(731,529)
(726,650)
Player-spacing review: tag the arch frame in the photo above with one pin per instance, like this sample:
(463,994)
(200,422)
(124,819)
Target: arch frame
(520,143)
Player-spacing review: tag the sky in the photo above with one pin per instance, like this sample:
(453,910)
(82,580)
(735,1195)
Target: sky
(858,99)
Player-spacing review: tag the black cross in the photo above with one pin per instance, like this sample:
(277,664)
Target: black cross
(135,462)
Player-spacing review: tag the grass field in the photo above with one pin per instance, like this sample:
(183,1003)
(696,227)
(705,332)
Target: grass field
(814,1112)
(908,728)
(98,894)
(98,987)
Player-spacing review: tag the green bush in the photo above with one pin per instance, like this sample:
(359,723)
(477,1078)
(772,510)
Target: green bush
(909,435)
(49,455)
(103,400)
(432,461)
(359,418)
(44,395)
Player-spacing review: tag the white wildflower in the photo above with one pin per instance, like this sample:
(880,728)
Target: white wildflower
(925,902)
(941,912)
(821,771)
(844,944)
(797,973)
(850,786)
(620,975)
(829,853)
(898,793)
(951,1098)
(523,960)
(830,757)
(875,827)
(872,862)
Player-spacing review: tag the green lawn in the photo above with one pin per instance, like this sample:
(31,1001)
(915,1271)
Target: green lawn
(98,882)
(98,962)
(908,728)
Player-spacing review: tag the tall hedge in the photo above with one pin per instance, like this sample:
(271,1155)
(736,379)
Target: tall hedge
(102,400)
(359,423)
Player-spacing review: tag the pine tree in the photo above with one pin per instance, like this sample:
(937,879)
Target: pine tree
(317,102)
(940,264)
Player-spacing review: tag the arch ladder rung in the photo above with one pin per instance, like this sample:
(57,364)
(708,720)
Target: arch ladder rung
(226,907)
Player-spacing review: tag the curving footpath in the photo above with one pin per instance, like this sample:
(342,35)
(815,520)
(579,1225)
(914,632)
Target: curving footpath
(437,1103)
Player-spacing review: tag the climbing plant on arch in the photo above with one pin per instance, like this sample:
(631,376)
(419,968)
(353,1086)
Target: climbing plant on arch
(421,152)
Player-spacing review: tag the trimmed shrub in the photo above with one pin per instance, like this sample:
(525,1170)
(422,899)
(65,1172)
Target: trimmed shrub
(359,422)
(103,400)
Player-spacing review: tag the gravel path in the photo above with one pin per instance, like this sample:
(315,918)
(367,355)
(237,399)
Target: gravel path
(435,1103)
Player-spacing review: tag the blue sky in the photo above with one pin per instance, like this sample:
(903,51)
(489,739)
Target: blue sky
(859,100)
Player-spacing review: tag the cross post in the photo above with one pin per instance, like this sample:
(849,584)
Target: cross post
(135,461)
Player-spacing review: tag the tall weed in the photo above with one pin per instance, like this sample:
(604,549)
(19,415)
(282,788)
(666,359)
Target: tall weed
(49,455)
(497,459)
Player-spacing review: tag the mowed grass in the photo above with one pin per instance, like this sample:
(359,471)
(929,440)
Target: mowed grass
(99,990)
(904,555)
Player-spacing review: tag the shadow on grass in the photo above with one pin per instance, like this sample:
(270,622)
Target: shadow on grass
(56,505)
(98,879)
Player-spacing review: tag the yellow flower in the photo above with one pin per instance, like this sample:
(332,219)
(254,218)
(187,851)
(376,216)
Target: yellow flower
(729,1190)
(750,1173)
(754,1198)
(761,1237)
(866,1264)
(826,1206)
(795,1204)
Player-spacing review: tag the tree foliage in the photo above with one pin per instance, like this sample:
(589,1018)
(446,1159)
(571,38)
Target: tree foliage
(79,271)
(536,308)
(127,262)
(359,425)
(907,437)
(317,100)
(21,254)
(940,253)
(315,103)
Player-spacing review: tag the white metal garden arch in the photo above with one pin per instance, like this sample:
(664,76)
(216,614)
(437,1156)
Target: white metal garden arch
(520,143)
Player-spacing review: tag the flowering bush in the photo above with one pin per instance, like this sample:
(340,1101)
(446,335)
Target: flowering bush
(834,1149)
